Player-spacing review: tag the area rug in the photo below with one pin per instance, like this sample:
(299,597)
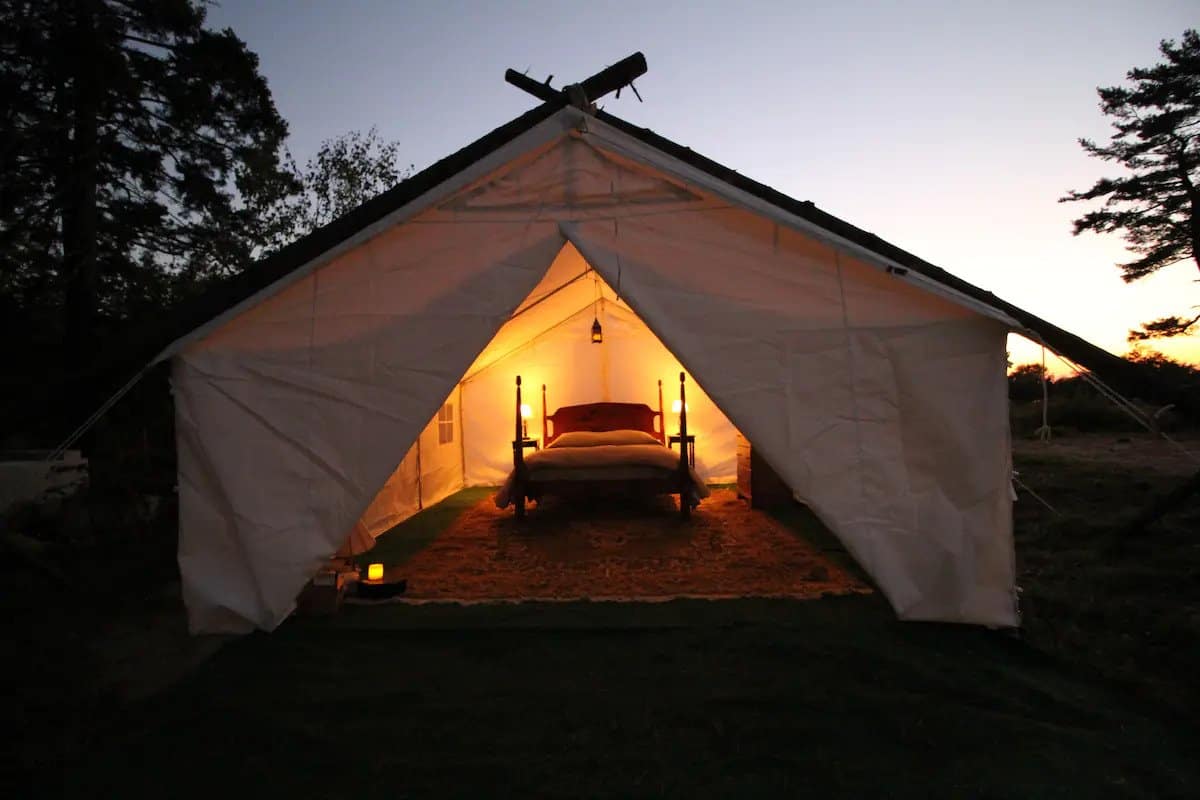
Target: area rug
(621,550)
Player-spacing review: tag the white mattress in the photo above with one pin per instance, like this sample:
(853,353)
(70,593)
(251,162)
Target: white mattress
(603,462)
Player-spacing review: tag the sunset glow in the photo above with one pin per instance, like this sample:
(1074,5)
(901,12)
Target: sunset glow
(947,129)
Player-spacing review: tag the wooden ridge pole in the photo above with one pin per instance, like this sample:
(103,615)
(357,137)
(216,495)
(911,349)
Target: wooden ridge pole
(588,91)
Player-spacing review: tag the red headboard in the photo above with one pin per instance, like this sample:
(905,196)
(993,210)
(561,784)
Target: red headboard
(603,417)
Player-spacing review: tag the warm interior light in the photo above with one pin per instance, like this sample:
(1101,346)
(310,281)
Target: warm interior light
(675,407)
(375,572)
(597,331)
(526,412)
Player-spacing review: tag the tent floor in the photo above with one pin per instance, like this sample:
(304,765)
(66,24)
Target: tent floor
(634,549)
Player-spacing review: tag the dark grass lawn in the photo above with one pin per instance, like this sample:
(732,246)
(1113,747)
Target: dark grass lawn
(681,699)
(688,698)
(1125,603)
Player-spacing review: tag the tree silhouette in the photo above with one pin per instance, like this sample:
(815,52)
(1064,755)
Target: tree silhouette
(1156,205)
(138,149)
(346,171)
(1025,382)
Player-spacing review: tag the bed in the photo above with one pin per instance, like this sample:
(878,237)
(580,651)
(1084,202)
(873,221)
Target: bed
(601,448)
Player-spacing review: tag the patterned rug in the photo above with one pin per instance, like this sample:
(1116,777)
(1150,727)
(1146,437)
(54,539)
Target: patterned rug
(621,550)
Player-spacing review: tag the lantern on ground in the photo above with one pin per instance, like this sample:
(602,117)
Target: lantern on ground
(375,572)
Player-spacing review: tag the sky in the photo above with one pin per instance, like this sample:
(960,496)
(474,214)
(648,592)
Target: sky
(947,128)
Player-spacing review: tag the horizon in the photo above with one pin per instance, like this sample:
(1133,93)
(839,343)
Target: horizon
(932,132)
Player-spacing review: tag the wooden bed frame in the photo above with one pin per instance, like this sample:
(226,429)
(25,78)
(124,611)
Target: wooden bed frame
(602,417)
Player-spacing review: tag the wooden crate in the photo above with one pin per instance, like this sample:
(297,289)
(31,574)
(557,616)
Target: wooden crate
(756,481)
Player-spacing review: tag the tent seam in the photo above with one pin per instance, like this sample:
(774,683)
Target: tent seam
(850,365)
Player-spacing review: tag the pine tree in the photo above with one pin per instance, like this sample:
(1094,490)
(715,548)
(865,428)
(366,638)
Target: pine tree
(1156,205)
(138,149)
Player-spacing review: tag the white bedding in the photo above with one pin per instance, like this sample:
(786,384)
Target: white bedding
(601,462)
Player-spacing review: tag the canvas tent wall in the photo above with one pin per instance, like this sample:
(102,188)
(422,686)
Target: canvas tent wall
(878,394)
(429,472)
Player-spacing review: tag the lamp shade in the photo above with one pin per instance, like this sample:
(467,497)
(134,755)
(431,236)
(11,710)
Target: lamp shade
(676,406)
(526,412)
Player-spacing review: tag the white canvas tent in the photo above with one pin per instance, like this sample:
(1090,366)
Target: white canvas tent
(310,410)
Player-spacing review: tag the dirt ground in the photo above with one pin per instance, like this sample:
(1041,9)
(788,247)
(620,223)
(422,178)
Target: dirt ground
(622,550)
(1179,456)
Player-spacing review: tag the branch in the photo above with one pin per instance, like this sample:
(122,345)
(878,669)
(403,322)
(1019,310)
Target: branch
(1162,329)
(151,42)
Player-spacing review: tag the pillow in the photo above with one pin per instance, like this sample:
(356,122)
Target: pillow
(597,438)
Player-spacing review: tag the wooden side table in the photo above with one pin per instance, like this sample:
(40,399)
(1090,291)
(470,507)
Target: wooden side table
(527,443)
(691,446)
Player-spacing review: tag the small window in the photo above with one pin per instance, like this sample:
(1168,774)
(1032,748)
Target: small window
(446,424)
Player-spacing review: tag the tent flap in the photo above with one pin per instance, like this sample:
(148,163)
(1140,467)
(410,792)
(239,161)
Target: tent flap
(292,416)
(884,408)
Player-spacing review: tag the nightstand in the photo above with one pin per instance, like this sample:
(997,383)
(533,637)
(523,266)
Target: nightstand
(527,443)
(691,446)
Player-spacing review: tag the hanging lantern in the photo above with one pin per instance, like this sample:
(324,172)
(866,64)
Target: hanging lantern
(597,304)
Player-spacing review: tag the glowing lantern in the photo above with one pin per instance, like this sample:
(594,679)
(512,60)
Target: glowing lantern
(375,572)
(597,331)
(526,413)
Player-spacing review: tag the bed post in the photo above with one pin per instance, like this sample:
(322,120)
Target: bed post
(685,475)
(662,418)
(545,421)
(518,446)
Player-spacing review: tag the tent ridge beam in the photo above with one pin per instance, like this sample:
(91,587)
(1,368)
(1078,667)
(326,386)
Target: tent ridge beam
(583,95)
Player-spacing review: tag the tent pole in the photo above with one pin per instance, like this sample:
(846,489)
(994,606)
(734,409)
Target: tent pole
(685,476)
(549,294)
(420,503)
(462,437)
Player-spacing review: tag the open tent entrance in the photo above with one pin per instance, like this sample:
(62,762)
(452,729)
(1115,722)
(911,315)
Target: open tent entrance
(877,394)
(548,341)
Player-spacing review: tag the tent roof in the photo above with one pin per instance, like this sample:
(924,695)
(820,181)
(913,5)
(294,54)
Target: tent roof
(228,293)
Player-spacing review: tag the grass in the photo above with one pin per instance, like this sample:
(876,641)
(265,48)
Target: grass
(1127,604)
(414,534)
(688,698)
